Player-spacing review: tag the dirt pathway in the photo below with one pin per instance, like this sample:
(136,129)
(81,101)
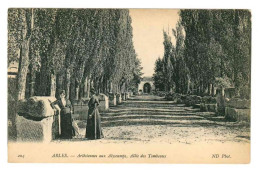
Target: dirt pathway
(147,119)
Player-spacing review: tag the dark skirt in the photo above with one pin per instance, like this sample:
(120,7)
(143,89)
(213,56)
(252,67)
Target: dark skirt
(93,129)
(66,126)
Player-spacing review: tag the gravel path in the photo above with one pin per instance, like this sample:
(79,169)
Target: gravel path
(149,119)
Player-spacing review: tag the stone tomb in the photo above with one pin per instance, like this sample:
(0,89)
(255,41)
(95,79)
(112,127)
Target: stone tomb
(39,131)
(123,95)
(192,100)
(208,104)
(81,109)
(237,109)
(36,120)
(112,99)
(126,95)
(118,98)
(229,92)
(103,102)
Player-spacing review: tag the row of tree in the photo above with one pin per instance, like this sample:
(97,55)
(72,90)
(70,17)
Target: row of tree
(212,49)
(72,49)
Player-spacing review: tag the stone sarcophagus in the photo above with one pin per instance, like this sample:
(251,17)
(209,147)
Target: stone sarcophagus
(237,109)
(103,102)
(127,95)
(37,120)
(81,109)
(208,104)
(112,99)
(118,99)
(229,92)
(123,96)
(192,100)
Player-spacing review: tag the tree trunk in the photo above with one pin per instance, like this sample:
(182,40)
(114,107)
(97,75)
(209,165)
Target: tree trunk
(213,92)
(53,85)
(72,89)
(165,87)
(89,86)
(188,84)
(24,56)
(23,69)
(177,86)
(111,87)
(210,89)
(104,84)
(67,85)
(122,87)
(108,86)
(81,91)
(77,93)
(59,84)
(42,86)
(85,93)
(32,83)
(221,101)
(76,90)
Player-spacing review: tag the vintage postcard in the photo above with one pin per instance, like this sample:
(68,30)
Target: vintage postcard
(129,85)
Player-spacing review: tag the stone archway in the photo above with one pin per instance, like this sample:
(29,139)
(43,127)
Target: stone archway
(146,85)
(147,88)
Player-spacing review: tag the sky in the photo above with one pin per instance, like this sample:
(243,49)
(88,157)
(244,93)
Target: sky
(148,26)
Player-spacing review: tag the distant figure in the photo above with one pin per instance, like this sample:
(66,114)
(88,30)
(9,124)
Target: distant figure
(93,129)
(67,130)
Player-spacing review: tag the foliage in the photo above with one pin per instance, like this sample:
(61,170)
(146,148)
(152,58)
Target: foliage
(158,75)
(222,82)
(214,51)
(217,44)
(76,45)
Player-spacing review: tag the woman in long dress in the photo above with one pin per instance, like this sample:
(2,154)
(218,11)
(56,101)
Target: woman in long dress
(93,129)
(67,131)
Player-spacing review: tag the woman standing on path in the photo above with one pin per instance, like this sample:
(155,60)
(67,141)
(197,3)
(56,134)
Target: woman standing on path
(93,129)
(67,130)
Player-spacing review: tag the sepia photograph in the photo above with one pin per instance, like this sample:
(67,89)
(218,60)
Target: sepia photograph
(118,85)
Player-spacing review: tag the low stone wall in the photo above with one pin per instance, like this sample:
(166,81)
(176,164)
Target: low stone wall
(237,110)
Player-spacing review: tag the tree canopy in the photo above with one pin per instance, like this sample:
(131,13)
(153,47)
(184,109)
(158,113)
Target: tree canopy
(68,48)
(212,46)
